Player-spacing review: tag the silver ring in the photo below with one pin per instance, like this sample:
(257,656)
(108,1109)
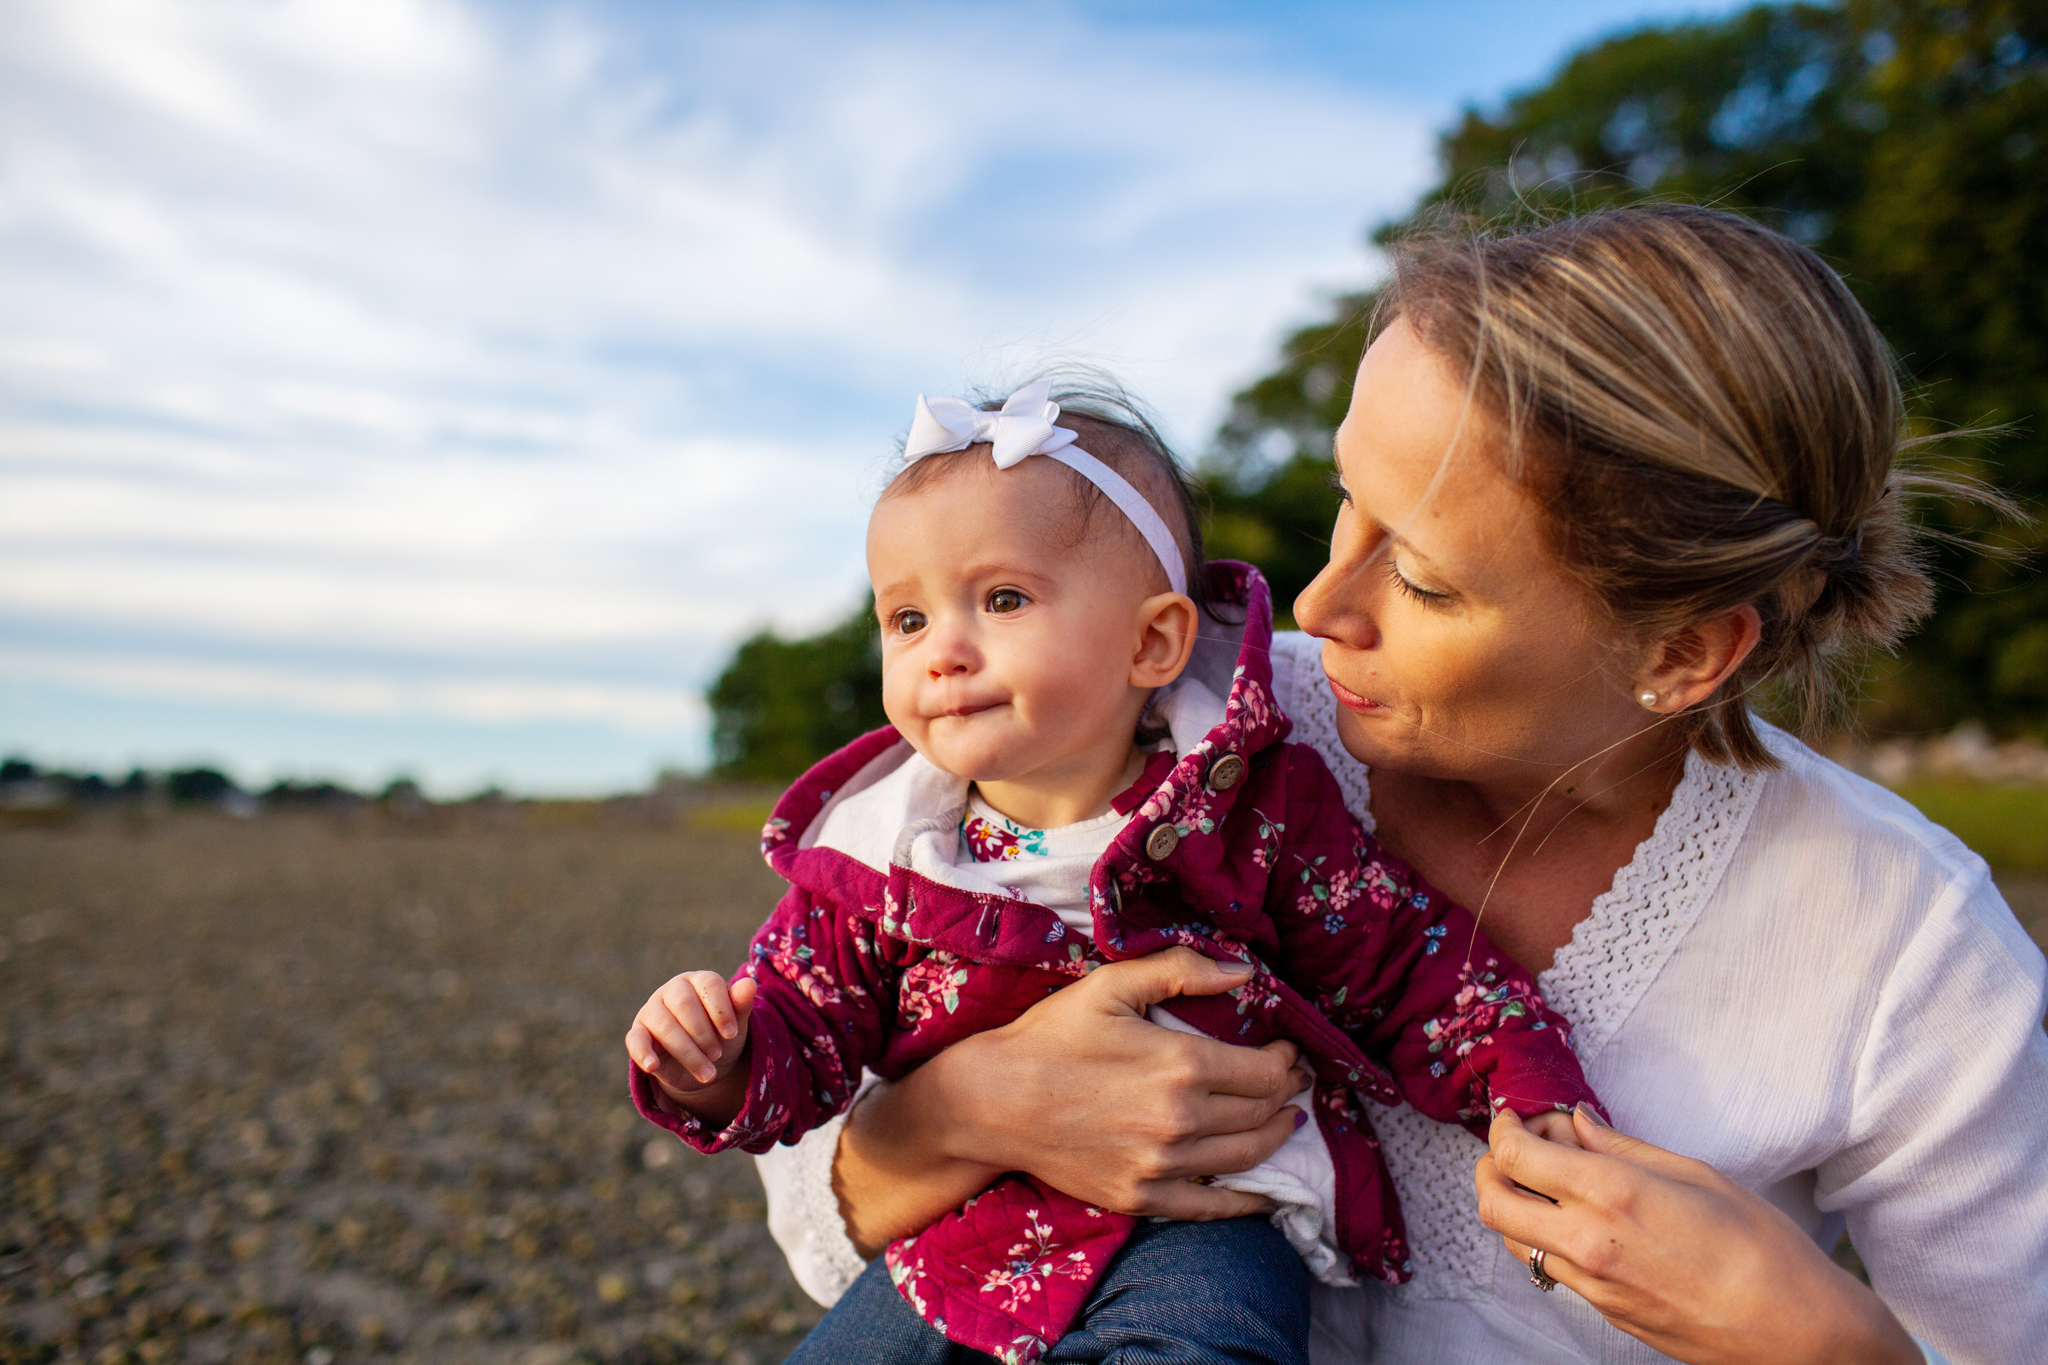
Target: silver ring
(1538,1276)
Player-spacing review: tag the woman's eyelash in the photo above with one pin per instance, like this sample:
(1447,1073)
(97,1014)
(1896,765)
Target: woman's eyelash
(1420,594)
(1336,485)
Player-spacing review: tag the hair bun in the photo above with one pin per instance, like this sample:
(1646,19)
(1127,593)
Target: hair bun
(1839,554)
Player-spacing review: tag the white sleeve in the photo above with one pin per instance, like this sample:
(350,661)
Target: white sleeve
(1944,1173)
(803,1209)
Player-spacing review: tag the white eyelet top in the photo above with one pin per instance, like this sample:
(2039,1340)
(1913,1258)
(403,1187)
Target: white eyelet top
(1797,979)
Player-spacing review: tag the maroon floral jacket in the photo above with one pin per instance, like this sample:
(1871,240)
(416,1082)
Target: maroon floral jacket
(1242,848)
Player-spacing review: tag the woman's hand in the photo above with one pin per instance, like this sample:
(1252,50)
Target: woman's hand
(1674,1253)
(1082,1092)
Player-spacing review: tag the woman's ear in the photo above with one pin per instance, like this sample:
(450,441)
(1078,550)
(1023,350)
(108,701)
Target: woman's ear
(1166,637)
(1688,667)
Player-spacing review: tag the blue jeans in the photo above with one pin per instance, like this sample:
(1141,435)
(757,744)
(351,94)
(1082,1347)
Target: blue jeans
(1176,1294)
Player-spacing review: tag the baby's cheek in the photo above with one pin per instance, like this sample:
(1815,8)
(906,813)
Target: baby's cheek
(898,696)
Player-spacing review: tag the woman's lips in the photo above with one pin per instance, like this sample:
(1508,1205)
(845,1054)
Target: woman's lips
(1350,700)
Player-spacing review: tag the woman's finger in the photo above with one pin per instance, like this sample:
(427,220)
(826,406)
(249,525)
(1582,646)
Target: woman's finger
(1515,1213)
(1253,1072)
(1557,1267)
(1228,1153)
(1234,1115)
(1192,1203)
(1552,1169)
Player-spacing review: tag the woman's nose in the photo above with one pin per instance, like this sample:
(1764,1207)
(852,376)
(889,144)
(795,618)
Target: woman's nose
(1338,602)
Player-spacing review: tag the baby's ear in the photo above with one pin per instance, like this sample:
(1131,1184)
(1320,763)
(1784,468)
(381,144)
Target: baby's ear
(1166,637)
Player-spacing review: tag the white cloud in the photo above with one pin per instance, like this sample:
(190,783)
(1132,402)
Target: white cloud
(648,710)
(499,332)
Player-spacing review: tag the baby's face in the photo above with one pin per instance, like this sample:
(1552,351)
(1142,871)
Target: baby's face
(1005,653)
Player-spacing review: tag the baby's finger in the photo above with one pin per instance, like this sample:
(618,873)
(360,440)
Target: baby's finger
(641,1047)
(684,1047)
(685,1054)
(717,1001)
(686,1007)
(744,992)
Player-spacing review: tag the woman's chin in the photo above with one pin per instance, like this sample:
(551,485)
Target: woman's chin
(1366,736)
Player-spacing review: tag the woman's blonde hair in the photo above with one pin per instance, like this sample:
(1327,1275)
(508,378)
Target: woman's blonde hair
(1709,419)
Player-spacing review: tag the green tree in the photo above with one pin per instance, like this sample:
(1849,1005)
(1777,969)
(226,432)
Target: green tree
(1905,140)
(781,705)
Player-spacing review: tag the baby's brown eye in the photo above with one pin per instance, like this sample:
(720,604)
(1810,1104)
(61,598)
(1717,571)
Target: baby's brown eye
(1005,600)
(908,622)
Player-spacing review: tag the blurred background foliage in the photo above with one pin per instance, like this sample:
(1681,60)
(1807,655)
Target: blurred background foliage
(781,705)
(1904,140)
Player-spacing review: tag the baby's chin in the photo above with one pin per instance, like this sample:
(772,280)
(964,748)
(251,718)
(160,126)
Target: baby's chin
(962,757)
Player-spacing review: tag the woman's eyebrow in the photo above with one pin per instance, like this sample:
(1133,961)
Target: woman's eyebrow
(1395,538)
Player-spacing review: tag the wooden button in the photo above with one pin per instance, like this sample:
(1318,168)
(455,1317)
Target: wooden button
(1226,772)
(1161,842)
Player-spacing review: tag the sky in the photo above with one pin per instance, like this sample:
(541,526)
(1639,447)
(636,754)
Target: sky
(442,388)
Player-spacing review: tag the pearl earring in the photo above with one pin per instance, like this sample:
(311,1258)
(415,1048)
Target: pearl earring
(1647,698)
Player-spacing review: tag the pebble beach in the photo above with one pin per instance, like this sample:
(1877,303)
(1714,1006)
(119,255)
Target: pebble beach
(317,1089)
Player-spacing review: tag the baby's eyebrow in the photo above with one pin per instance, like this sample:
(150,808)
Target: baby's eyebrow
(1004,569)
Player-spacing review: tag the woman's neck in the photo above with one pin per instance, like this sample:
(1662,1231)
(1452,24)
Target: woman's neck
(1530,855)
(1617,786)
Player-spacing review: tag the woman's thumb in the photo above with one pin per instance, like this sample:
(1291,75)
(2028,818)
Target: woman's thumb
(1143,982)
(1595,1135)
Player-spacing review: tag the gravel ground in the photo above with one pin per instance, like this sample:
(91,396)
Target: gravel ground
(326,1090)
(334,1090)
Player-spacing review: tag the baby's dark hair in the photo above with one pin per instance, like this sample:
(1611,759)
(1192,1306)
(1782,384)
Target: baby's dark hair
(1113,427)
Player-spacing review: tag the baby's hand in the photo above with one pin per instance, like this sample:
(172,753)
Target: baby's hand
(1554,1126)
(692,1033)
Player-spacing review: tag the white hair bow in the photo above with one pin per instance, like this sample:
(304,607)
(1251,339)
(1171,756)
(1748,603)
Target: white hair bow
(1024,427)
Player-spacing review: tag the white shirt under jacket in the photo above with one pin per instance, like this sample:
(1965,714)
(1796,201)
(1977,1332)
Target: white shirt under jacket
(1799,980)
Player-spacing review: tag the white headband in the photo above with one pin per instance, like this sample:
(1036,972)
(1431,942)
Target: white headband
(1024,428)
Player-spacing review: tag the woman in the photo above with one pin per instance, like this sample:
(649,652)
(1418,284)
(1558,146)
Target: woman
(1601,482)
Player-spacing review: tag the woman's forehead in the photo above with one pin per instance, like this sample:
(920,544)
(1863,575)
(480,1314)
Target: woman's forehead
(1424,461)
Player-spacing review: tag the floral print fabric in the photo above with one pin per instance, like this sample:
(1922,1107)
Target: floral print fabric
(997,839)
(1389,989)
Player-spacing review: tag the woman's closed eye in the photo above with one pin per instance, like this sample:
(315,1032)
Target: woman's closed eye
(907,622)
(1003,601)
(1428,597)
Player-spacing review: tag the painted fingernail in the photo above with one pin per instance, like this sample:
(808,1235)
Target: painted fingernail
(1591,1115)
(1235,968)
(1299,1119)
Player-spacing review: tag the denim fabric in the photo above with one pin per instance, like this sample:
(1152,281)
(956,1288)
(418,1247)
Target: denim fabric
(1176,1294)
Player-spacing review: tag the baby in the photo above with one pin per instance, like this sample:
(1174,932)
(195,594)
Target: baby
(1085,764)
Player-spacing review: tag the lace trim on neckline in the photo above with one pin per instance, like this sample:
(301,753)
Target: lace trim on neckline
(1621,946)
